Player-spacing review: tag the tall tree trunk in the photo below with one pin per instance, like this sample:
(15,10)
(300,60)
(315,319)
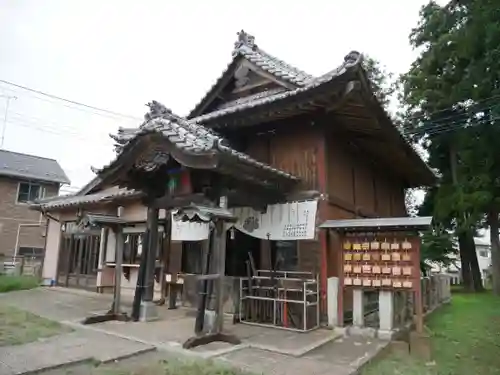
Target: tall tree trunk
(495,251)
(464,261)
(477,281)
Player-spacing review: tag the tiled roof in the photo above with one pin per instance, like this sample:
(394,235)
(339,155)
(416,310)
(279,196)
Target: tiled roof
(14,164)
(79,200)
(352,60)
(187,137)
(246,48)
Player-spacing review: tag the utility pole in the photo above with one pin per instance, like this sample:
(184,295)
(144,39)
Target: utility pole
(8,99)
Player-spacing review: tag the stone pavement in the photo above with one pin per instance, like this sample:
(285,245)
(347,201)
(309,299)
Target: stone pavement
(66,349)
(343,356)
(263,350)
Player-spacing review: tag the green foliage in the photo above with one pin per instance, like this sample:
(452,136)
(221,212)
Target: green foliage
(437,246)
(382,81)
(464,338)
(12,283)
(451,100)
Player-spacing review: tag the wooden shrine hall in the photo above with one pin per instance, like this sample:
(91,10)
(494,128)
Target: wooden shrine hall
(268,154)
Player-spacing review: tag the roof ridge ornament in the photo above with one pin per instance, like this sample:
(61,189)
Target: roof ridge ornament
(353,58)
(156,109)
(245,39)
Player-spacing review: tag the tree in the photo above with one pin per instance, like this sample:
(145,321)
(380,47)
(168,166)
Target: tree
(450,94)
(383,82)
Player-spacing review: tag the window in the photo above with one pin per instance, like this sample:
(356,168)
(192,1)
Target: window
(132,249)
(134,245)
(34,252)
(28,192)
(286,256)
(483,253)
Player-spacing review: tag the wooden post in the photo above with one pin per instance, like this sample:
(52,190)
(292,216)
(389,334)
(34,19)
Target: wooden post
(220,234)
(165,259)
(118,269)
(149,279)
(419,312)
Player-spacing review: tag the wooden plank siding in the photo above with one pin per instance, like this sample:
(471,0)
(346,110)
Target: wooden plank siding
(294,152)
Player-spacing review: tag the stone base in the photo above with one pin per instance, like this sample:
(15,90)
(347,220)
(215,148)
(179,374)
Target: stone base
(362,331)
(383,334)
(209,322)
(148,311)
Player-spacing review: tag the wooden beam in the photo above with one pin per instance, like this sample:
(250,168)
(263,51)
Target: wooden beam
(168,201)
(349,207)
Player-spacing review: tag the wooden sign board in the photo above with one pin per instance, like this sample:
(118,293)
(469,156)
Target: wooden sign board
(381,261)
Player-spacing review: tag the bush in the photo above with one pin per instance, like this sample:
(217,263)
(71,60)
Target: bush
(12,283)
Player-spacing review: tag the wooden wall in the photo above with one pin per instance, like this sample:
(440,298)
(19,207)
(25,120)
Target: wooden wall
(294,151)
(359,187)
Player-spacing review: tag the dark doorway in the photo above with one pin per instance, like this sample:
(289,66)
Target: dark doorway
(238,245)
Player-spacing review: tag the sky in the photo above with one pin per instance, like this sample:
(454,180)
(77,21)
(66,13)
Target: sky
(119,54)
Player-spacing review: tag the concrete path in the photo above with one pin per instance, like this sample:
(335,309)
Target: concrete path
(66,349)
(263,350)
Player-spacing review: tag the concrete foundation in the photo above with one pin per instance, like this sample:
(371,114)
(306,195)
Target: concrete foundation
(332,298)
(358,308)
(148,311)
(386,310)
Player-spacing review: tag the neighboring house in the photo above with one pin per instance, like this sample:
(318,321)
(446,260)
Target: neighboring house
(483,253)
(277,131)
(23,179)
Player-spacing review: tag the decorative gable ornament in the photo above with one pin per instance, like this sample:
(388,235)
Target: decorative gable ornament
(244,39)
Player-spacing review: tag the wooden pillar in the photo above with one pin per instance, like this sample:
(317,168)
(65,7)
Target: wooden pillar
(323,215)
(152,226)
(148,309)
(220,236)
(118,269)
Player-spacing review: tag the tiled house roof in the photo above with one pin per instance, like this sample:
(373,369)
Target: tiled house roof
(14,164)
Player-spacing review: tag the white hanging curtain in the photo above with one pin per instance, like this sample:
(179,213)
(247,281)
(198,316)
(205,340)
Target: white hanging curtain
(287,221)
(186,231)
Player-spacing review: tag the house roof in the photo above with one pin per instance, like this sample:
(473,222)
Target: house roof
(246,49)
(190,139)
(14,164)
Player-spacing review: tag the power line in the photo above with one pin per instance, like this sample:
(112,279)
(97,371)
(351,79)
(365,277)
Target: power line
(69,101)
(55,132)
(452,108)
(8,99)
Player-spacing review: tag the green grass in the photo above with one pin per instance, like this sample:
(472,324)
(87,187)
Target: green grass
(12,283)
(465,340)
(21,327)
(154,367)
(174,368)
